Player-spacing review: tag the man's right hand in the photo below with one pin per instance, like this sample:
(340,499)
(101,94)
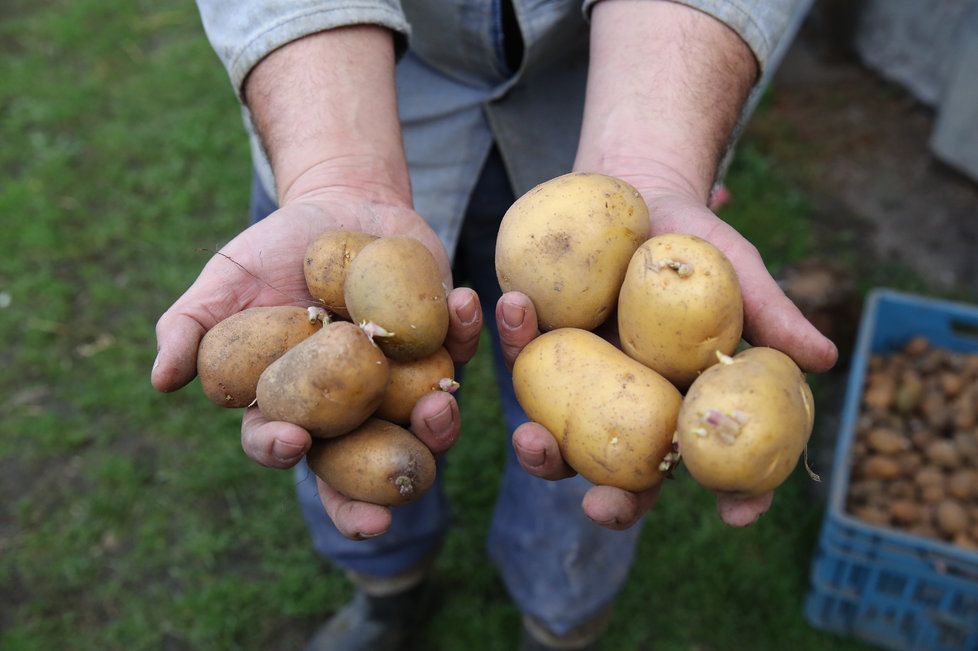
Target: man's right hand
(263,267)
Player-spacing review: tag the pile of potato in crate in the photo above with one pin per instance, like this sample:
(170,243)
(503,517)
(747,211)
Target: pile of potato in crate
(915,456)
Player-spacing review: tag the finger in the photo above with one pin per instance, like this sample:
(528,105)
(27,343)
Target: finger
(177,338)
(516,320)
(274,444)
(179,330)
(355,520)
(436,421)
(771,319)
(616,508)
(537,451)
(465,324)
(742,511)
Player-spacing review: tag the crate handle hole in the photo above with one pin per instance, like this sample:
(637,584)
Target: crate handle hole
(965,329)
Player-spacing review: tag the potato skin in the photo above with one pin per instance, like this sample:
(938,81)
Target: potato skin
(325,265)
(233,354)
(566,244)
(612,417)
(673,318)
(379,462)
(410,381)
(745,422)
(394,282)
(329,384)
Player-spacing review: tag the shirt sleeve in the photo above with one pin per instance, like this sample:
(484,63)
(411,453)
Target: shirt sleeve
(243,32)
(762,24)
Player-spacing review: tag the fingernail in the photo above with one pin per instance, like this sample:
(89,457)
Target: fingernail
(513,315)
(605,523)
(532,458)
(286,452)
(440,422)
(365,536)
(156,362)
(466,313)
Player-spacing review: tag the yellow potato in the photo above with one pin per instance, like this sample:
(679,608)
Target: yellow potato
(233,354)
(325,264)
(566,244)
(745,422)
(413,379)
(613,418)
(378,462)
(680,303)
(328,384)
(394,283)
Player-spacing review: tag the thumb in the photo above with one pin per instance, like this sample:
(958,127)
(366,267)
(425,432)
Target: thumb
(771,319)
(179,330)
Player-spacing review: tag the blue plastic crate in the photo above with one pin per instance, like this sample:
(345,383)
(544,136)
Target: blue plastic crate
(887,587)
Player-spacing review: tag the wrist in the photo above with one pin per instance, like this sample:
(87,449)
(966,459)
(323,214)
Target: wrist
(665,174)
(365,176)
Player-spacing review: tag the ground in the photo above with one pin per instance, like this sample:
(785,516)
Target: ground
(131,520)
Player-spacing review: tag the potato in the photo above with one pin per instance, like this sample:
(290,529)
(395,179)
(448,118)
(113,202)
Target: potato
(394,283)
(879,466)
(612,417)
(745,422)
(951,518)
(233,354)
(566,244)
(328,384)
(379,462)
(680,303)
(412,380)
(325,265)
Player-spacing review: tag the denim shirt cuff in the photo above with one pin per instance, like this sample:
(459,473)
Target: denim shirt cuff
(759,23)
(293,27)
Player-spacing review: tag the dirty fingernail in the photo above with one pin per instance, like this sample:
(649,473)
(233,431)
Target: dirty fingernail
(466,313)
(363,536)
(286,452)
(513,315)
(440,422)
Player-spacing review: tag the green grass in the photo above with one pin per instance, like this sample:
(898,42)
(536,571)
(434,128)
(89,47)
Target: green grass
(130,519)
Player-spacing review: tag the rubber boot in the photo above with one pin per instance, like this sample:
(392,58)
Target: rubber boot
(381,616)
(584,637)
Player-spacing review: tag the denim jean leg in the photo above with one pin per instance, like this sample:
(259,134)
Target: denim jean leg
(558,565)
(416,529)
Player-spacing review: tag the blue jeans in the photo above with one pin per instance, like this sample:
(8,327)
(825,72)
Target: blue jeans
(557,565)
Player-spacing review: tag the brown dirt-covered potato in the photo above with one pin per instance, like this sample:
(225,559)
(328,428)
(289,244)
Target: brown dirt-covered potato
(566,244)
(413,379)
(612,417)
(963,484)
(872,515)
(933,494)
(906,512)
(944,454)
(745,422)
(951,518)
(394,283)
(325,264)
(887,441)
(879,467)
(379,462)
(929,476)
(233,354)
(328,384)
(680,304)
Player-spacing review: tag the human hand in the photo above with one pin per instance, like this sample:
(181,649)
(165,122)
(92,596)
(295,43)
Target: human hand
(262,266)
(770,319)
